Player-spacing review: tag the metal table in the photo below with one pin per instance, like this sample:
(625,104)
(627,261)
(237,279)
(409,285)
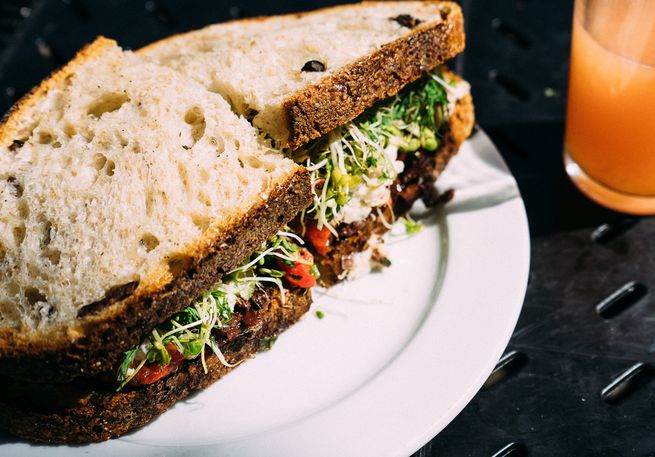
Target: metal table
(577,377)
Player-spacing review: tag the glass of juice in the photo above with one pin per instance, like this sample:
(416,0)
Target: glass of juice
(610,125)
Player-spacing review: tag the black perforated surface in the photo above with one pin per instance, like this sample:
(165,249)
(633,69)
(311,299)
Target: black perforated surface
(575,382)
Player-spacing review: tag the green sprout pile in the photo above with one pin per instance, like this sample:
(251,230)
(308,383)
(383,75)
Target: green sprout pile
(364,151)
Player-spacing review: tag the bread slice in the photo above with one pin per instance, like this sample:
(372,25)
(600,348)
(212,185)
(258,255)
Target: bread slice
(421,171)
(359,54)
(127,191)
(87,411)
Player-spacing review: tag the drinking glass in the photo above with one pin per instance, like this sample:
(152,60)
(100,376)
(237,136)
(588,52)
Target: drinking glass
(610,126)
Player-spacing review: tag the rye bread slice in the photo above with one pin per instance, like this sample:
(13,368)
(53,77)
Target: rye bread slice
(420,173)
(81,412)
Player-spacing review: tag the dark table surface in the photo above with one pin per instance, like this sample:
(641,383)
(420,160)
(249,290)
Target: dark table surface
(573,382)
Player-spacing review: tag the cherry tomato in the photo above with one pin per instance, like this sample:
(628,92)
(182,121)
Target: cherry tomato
(300,274)
(320,239)
(153,372)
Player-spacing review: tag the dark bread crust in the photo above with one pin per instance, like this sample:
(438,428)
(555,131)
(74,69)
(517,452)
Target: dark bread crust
(343,96)
(83,414)
(100,339)
(429,167)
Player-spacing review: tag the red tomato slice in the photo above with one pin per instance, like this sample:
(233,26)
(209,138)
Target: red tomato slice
(153,372)
(300,274)
(320,239)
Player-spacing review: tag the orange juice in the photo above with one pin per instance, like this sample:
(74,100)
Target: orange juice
(610,130)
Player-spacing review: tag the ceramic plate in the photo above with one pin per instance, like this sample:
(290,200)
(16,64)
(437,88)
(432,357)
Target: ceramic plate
(397,356)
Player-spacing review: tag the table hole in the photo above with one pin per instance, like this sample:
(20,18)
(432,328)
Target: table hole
(621,299)
(627,382)
(508,365)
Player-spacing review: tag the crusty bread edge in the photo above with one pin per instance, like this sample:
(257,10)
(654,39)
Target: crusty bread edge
(98,415)
(342,96)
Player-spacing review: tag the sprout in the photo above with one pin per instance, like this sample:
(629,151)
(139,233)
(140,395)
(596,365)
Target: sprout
(191,330)
(357,154)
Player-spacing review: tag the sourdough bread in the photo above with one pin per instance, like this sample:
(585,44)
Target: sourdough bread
(299,76)
(126,191)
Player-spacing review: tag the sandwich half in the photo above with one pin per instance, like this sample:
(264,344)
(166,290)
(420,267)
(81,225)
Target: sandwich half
(142,246)
(354,93)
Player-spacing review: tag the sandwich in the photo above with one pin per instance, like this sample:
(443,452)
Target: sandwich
(152,240)
(143,249)
(358,95)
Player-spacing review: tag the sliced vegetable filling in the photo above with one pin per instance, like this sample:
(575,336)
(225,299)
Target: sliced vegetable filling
(354,166)
(279,262)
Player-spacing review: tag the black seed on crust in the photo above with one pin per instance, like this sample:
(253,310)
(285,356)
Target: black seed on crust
(313,65)
(406,20)
(15,145)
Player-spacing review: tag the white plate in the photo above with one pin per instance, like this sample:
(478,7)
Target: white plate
(397,356)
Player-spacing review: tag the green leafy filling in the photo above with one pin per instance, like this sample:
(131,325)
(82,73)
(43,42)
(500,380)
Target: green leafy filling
(190,330)
(411,226)
(363,152)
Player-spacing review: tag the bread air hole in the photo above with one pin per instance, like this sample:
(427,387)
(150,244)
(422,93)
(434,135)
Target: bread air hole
(19,234)
(23,209)
(46,238)
(16,187)
(218,143)
(204,175)
(254,162)
(99,161)
(179,263)
(70,130)
(9,312)
(45,138)
(149,202)
(148,242)
(53,255)
(184,175)
(203,198)
(196,119)
(201,221)
(110,167)
(12,288)
(33,296)
(108,103)
(204,46)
